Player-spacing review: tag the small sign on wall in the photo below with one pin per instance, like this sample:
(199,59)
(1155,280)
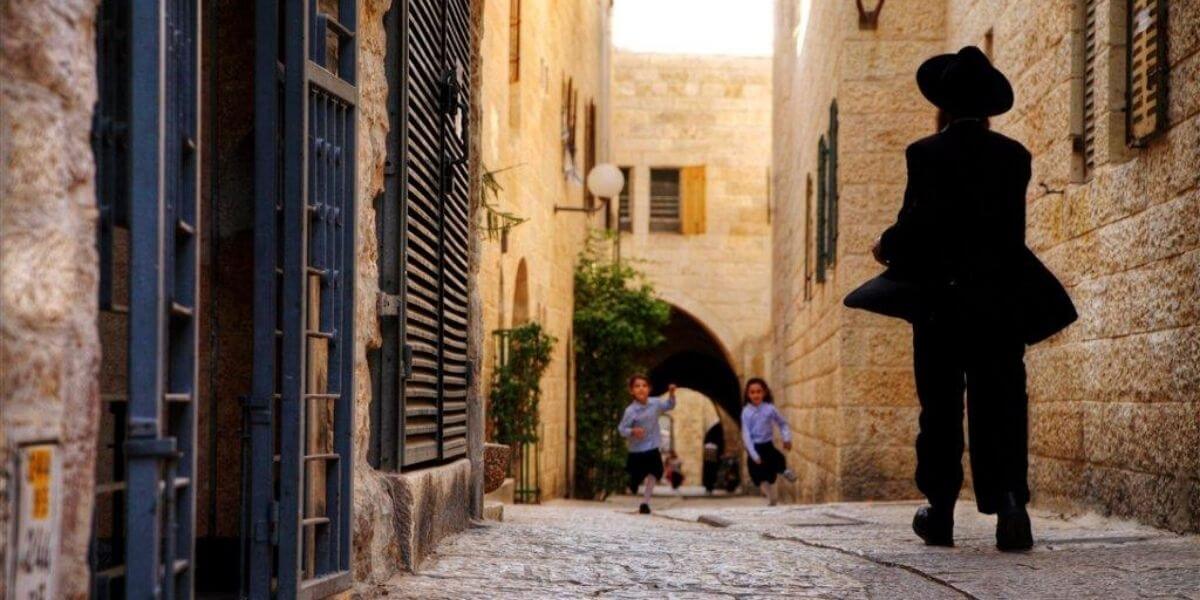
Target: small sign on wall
(35,542)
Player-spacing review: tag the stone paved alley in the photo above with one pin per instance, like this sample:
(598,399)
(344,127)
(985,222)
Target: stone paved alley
(861,550)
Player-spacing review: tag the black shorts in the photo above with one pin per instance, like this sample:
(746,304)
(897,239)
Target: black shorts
(640,464)
(772,464)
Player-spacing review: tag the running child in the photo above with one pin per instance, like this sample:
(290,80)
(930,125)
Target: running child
(759,419)
(640,429)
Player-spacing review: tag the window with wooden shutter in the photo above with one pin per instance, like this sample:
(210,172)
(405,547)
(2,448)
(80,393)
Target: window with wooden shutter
(831,190)
(822,208)
(421,379)
(693,191)
(808,237)
(664,200)
(1147,70)
(1084,96)
(514,41)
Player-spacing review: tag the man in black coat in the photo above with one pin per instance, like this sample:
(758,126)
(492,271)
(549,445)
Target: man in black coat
(960,235)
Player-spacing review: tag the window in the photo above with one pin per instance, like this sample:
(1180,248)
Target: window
(831,189)
(514,41)
(1084,93)
(808,237)
(1147,70)
(624,216)
(822,208)
(664,200)
(420,372)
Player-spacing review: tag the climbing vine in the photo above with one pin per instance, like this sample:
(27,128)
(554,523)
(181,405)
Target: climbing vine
(617,317)
(516,387)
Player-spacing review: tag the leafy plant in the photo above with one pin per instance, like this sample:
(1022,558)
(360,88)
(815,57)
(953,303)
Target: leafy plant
(524,353)
(496,223)
(617,317)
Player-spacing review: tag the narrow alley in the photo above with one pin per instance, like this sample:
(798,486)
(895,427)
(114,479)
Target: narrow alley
(734,547)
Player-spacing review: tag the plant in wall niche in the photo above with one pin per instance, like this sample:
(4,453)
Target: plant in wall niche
(496,223)
(523,353)
(617,317)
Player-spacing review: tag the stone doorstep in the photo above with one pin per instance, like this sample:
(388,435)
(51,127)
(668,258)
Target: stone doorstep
(493,511)
(502,494)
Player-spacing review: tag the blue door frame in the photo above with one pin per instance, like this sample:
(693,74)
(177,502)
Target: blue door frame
(300,410)
(146,141)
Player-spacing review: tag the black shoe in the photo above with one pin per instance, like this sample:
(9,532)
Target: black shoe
(1014,533)
(644,509)
(935,525)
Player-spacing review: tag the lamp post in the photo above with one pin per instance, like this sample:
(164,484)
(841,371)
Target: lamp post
(606,181)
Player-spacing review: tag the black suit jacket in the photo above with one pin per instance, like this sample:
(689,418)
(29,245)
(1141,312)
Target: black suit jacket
(962,225)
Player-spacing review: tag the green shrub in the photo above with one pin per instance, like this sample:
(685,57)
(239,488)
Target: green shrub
(516,386)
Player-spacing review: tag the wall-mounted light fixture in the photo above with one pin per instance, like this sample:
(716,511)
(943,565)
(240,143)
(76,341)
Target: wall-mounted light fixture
(868,19)
(603,181)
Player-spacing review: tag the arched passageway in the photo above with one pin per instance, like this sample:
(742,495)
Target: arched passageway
(692,357)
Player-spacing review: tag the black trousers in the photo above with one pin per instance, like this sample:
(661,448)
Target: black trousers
(987,360)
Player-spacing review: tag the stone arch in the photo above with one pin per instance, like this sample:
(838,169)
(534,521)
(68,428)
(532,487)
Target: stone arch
(706,319)
(520,307)
(694,357)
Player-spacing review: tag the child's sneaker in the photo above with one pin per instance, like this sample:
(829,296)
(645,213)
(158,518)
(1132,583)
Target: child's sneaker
(789,475)
(644,509)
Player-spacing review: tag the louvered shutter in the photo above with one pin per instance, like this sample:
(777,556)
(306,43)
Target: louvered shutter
(437,232)
(1147,70)
(1090,50)
(822,223)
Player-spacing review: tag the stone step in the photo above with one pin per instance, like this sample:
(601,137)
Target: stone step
(493,511)
(504,493)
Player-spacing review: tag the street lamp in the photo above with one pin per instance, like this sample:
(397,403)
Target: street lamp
(603,181)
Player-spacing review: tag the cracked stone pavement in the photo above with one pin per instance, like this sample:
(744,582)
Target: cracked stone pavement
(854,550)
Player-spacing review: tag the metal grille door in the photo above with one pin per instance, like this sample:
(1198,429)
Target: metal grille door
(301,408)
(146,146)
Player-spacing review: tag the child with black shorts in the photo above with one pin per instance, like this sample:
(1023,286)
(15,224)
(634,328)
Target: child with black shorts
(759,419)
(640,429)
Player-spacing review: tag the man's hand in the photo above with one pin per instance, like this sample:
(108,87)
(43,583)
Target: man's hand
(671,389)
(638,433)
(876,251)
(787,445)
(757,460)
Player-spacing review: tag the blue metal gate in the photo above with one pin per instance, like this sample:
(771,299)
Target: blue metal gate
(145,139)
(300,410)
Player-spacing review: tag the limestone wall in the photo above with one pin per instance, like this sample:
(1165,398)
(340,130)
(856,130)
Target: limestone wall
(678,111)
(49,346)
(1115,400)
(847,378)
(521,128)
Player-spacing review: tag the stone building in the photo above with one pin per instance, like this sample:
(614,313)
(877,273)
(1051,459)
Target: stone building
(692,133)
(240,320)
(1112,209)
(543,126)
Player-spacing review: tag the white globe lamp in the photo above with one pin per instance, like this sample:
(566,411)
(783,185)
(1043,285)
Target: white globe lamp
(605,181)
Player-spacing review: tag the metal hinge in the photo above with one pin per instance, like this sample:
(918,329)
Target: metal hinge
(388,305)
(406,359)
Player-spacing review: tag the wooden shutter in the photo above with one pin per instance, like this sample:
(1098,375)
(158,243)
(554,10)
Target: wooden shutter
(832,189)
(437,232)
(822,180)
(1147,70)
(692,191)
(1090,50)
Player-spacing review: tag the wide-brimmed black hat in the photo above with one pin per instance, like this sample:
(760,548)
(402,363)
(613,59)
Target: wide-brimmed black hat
(965,84)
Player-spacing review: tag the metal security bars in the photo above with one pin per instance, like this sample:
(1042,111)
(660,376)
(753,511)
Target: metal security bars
(300,410)
(664,200)
(145,139)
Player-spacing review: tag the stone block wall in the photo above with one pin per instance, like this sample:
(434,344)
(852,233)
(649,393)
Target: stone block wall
(49,343)
(530,275)
(1114,418)
(1115,399)
(846,377)
(688,110)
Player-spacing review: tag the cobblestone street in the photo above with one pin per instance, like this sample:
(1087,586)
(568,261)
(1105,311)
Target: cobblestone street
(573,549)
